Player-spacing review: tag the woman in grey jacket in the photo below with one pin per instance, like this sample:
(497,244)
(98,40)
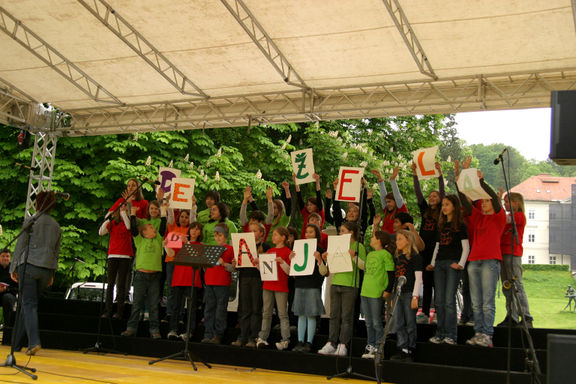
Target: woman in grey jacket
(35,261)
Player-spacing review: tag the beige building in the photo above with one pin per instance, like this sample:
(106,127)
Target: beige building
(542,194)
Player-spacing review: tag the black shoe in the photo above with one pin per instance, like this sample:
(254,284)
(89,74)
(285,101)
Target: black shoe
(403,356)
(307,348)
(299,347)
(504,323)
(529,321)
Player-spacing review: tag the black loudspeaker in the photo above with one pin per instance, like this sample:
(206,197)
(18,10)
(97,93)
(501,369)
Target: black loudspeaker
(561,358)
(563,130)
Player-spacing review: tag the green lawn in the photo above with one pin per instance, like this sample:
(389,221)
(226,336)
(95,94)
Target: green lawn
(545,290)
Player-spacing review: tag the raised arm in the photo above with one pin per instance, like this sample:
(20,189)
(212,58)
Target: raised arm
(318,192)
(381,186)
(397,196)
(287,198)
(417,187)
(270,203)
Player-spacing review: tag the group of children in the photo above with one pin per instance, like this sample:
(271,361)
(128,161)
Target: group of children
(433,259)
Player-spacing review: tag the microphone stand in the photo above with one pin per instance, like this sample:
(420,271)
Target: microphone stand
(98,345)
(531,359)
(349,372)
(11,359)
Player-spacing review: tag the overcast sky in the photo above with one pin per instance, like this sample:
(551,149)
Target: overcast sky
(527,130)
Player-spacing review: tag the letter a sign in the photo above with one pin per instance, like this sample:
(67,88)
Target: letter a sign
(425,160)
(245,251)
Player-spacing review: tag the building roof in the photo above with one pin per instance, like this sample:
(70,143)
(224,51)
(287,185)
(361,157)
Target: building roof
(545,187)
(120,66)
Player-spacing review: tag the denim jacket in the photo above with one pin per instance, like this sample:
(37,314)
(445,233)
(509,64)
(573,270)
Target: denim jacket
(44,250)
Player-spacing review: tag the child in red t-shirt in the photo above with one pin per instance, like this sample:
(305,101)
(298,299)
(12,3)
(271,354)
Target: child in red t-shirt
(182,286)
(277,291)
(217,281)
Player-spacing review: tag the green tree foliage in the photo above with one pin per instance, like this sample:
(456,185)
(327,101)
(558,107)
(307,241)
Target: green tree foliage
(94,170)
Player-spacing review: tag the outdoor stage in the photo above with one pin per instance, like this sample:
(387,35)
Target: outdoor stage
(72,325)
(62,367)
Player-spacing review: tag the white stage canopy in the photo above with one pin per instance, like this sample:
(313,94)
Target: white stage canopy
(120,66)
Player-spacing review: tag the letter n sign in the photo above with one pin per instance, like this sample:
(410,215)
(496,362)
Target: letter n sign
(349,184)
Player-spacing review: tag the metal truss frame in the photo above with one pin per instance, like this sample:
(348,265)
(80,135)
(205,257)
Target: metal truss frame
(41,168)
(412,43)
(15,105)
(143,48)
(258,34)
(462,94)
(23,35)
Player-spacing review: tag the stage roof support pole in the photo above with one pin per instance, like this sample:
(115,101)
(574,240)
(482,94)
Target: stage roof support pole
(260,37)
(143,48)
(41,168)
(54,59)
(401,21)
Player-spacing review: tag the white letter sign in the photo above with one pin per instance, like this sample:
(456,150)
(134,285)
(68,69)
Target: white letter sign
(268,267)
(245,250)
(182,192)
(469,184)
(339,259)
(303,166)
(349,184)
(303,263)
(425,160)
(165,176)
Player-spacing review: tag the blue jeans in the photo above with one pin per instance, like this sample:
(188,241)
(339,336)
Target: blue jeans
(372,309)
(445,284)
(146,295)
(405,322)
(32,283)
(483,275)
(215,311)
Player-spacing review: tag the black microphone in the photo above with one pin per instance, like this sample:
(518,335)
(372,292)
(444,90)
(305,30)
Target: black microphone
(62,195)
(499,158)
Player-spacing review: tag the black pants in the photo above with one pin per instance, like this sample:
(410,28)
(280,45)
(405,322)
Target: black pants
(250,308)
(117,269)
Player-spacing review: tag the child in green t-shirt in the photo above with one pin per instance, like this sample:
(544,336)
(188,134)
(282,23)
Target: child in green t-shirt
(377,284)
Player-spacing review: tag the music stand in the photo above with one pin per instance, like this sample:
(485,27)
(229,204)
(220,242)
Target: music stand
(196,256)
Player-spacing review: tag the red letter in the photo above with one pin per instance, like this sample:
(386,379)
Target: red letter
(343,180)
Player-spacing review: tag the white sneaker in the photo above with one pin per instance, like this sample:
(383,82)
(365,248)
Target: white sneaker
(448,340)
(172,335)
(282,345)
(484,341)
(341,350)
(370,352)
(474,339)
(327,349)
(435,340)
(261,343)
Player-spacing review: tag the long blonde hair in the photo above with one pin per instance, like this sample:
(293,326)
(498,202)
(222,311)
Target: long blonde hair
(412,249)
(518,199)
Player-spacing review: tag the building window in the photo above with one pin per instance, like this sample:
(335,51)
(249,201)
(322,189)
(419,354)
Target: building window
(552,259)
(531,259)
(531,237)
(531,214)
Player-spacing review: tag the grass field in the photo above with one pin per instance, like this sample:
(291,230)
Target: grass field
(545,290)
